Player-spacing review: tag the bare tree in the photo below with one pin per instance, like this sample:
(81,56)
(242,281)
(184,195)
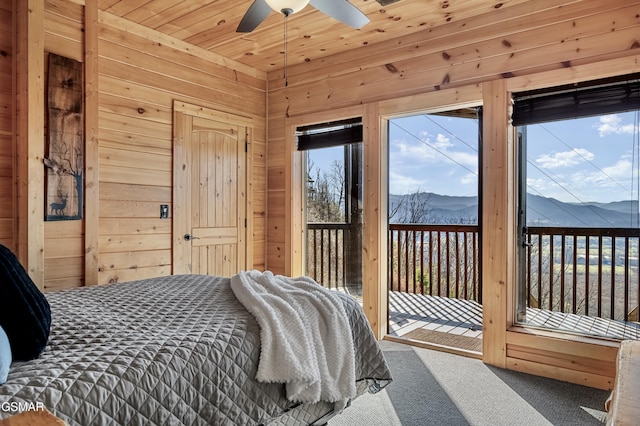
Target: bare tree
(322,202)
(334,198)
(66,159)
(336,179)
(412,208)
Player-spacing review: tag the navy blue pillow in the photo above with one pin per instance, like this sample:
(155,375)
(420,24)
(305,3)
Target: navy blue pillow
(25,314)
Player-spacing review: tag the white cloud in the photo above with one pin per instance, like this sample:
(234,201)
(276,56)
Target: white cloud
(469,179)
(431,150)
(541,185)
(565,158)
(400,184)
(467,159)
(401,150)
(612,124)
(611,176)
(605,184)
(568,191)
(442,142)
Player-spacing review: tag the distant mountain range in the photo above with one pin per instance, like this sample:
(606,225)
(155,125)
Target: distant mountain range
(426,207)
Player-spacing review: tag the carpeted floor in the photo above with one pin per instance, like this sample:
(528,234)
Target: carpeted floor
(437,388)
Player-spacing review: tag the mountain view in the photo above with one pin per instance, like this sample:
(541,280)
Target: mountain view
(426,207)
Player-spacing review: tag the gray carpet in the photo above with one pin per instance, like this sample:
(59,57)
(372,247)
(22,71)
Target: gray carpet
(437,388)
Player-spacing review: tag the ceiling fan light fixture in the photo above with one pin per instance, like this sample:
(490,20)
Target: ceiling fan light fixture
(287,7)
(341,10)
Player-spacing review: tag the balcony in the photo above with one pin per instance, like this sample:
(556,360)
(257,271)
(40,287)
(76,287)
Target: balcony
(581,280)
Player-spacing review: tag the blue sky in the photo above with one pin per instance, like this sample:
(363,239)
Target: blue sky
(588,159)
(433,154)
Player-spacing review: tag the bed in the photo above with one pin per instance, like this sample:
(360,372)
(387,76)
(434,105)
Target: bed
(170,350)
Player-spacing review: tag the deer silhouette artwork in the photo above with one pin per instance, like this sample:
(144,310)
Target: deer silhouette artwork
(58,208)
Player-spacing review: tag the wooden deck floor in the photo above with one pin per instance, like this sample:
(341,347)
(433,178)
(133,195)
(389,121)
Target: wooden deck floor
(443,321)
(583,324)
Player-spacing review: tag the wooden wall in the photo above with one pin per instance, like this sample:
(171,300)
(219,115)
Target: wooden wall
(141,73)
(132,76)
(63,240)
(472,61)
(7,148)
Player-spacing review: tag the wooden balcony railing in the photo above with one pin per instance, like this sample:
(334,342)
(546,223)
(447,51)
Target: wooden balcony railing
(586,271)
(326,253)
(438,260)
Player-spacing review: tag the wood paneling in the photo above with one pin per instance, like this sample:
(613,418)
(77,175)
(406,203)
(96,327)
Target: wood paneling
(312,35)
(542,41)
(141,73)
(63,28)
(8,231)
(572,358)
(64,35)
(30,119)
(132,76)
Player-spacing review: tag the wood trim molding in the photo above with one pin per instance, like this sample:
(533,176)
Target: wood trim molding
(434,101)
(498,215)
(374,238)
(375,208)
(212,114)
(158,37)
(15,150)
(576,73)
(92,163)
(30,136)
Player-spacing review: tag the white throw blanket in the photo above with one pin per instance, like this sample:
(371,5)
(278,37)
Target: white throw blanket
(306,339)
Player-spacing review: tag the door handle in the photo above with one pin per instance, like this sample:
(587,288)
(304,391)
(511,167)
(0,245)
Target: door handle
(525,232)
(188,237)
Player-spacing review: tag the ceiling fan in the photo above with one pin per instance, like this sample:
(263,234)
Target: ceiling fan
(341,10)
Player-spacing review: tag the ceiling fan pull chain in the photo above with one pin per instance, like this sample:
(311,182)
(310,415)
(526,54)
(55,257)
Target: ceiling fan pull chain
(286,74)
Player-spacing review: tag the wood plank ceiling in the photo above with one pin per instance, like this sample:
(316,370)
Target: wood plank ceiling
(211,24)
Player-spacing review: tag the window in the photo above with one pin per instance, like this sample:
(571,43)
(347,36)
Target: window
(334,211)
(578,198)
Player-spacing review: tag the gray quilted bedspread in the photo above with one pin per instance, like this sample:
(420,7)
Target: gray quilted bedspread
(175,350)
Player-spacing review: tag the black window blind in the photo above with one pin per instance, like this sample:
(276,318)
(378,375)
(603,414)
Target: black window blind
(330,134)
(594,98)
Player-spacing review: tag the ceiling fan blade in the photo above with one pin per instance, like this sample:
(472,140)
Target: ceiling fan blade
(343,11)
(257,12)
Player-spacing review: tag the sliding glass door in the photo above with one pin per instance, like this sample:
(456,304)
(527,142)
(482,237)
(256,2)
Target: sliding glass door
(579,216)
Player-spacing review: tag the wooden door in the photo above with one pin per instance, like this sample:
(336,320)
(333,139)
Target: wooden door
(210,193)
